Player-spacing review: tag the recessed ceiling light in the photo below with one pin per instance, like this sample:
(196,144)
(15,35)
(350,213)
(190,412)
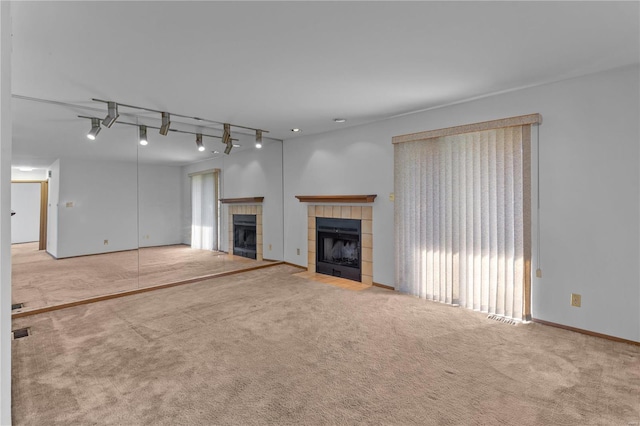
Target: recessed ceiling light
(339,120)
(295,130)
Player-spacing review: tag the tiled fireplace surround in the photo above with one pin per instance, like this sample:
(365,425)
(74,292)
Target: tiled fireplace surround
(363,213)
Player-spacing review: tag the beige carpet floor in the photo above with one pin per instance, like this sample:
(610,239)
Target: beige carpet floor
(268,347)
(39,280)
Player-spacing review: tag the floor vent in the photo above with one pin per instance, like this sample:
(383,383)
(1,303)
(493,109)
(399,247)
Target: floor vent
(20,333)
(503,319)
(17,306)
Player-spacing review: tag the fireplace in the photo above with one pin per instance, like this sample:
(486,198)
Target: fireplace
(244,235)
(338,247)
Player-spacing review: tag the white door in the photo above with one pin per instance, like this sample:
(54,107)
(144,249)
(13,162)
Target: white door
(25,202)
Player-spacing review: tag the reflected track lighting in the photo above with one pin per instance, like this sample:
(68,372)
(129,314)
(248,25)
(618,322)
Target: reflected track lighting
(258,139)
(95,129)
(143,135)
(166,122)
(112,114)
(199,143)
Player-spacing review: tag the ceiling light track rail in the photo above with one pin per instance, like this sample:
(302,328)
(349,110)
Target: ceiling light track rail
(157,128)
(180,115)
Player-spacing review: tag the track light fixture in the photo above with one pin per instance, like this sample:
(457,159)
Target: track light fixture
(112,114)
(143,135)
(95,129)
(166,122)
(228,149)
(226,135)
(199,143)
(258,139)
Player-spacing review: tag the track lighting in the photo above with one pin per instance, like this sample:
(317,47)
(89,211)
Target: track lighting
(143,135)
(228,149)
(226,135)
(112,114)
(95,129)
(199,143)
(166,122)
(258,139)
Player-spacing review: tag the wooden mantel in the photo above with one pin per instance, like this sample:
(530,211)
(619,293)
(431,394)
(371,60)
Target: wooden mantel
(241,200)
(336,198)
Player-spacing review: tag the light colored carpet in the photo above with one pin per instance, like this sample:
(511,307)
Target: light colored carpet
(267,347)
(38,280)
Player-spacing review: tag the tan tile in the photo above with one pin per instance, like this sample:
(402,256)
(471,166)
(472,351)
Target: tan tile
(367,227)
(319,211)
(345,212)
(259,256)
(367,254)
(367,241)
(327,211)
(252,209)
(311,211)
(311,259)
(367,268)
(337,211)
(367,212)
(367,279)
(259,209)
(258,239)
(311,246)
(259,228)
(259,219)
(311,235)
(356,212)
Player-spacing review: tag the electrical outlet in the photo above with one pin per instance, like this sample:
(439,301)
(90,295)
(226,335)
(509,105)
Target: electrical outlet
(538,273)
(576,300)
(298,252)
(106,242)
(69,204)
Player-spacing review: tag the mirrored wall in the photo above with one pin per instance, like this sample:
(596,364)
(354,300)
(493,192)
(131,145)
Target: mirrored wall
(119,216)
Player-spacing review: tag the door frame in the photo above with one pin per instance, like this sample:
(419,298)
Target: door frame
(44,201)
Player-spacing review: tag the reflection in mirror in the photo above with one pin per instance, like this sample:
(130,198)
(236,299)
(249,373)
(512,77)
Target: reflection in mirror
(113,216)
(184,230)
(86,244)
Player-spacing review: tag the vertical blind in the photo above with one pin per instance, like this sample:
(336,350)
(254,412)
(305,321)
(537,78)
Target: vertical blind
(462,219)
(204,232)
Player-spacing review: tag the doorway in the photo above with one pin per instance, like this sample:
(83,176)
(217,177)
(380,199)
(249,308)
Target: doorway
(29,201)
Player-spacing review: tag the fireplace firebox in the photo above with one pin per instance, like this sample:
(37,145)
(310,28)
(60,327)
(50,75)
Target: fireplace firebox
(244,235)
(338,247)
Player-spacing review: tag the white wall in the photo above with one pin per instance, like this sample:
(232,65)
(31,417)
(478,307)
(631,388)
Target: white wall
(25,201)
(98,201)
(35,174)
(160,204)
(5,213)
(248,173)
(589,191)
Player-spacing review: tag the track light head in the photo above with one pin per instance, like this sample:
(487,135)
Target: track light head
(226,135)
(199,143)
(166,122)
(143,135)
(95,129)
(112,114)
(228,149)
(258,139)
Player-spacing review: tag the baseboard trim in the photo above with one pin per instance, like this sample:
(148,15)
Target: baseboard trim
(138,291)
(587,332)
(388,287)
(295,266)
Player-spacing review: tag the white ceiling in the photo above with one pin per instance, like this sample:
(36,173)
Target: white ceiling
(279,65)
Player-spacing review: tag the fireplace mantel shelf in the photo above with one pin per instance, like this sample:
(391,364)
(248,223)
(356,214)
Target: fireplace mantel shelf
(336,198)
(241,200)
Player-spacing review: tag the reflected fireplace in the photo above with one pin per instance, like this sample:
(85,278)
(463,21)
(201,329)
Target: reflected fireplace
(338,247)
(244,235)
